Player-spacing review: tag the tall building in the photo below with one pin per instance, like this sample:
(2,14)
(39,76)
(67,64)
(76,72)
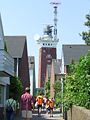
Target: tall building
(47,52)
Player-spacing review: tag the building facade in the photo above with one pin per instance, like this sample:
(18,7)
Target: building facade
(55,75)
(17,47)
(6,70)
(47,52)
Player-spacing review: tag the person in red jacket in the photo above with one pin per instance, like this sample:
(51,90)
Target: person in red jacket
(26,104)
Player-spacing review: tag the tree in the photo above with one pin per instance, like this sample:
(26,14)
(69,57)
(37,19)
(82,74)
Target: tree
(47,88)
(86,34)
(15,87)
(77,84)
(58,92)
(40,91)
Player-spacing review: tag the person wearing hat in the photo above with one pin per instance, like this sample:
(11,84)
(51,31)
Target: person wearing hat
(26,104)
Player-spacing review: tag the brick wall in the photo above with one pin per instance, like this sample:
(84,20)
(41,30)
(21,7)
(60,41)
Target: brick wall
(78,113)
(45,58)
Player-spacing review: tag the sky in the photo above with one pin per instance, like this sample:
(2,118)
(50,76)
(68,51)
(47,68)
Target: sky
(29,17)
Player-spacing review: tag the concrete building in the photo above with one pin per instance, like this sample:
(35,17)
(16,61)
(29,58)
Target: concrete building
(17,47)
(6,70)
(31,61)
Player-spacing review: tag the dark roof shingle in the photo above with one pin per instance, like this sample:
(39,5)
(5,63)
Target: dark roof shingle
(15,45)
(73,52)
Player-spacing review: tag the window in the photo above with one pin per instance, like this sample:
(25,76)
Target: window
(49,61)
(49,56)
(44,51)
(48,44)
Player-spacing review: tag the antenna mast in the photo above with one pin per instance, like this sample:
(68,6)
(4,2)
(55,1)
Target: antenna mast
(55,6)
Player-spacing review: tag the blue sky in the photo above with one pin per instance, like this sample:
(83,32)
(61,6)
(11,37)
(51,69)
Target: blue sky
(28,17)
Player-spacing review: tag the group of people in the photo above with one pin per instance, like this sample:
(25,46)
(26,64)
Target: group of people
(27,103)
(50,106)
(47,103)
(25,106)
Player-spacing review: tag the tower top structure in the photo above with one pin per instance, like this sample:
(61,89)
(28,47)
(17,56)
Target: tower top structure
(55,4)
(49,39)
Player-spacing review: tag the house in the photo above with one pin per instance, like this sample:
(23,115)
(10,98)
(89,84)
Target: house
(55,74)
(17,47)
(6,70)
(72,53)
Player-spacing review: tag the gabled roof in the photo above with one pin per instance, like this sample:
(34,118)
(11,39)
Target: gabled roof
(74,52)
(57,66)
(15,45)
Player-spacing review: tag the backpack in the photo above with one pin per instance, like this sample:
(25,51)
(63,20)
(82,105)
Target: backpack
(9,107)
(51,104)
(40,100)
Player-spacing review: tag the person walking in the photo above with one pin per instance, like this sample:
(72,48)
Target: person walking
(10,108)
(51,105)
(26,104)
(47,106)
(39,100)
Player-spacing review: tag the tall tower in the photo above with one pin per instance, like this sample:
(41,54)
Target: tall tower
(47,51)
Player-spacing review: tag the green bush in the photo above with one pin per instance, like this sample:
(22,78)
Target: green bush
(15,87)
(77,84)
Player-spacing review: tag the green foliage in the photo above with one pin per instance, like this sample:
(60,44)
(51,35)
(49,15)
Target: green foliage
(40,91)
(47,85)
(86,34)
(77,84)
(47,88)
(58,92)
(15,87)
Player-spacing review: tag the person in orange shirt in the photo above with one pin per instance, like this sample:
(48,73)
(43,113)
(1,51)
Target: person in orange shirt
(51,105)
(39,100)
(47,105)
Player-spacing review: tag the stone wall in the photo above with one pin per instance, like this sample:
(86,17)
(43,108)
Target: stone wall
(78,113)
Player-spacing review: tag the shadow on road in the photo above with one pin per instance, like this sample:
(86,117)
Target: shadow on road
(42,117)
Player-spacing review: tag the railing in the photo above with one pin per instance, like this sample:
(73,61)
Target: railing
(6,63)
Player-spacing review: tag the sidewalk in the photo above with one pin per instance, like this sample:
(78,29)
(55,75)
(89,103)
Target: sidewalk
(56,116)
